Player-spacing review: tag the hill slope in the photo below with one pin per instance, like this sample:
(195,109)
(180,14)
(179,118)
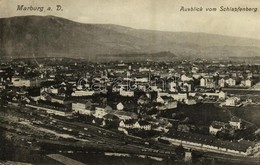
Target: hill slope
(57,37)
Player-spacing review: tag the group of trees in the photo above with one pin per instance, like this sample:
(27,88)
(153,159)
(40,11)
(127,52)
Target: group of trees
(6,147)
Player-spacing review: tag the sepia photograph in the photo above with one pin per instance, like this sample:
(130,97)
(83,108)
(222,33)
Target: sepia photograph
(129,82)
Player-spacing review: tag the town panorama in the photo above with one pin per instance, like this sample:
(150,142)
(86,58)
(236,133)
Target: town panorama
(158,107)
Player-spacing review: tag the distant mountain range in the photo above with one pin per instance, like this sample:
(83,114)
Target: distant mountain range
(49,36)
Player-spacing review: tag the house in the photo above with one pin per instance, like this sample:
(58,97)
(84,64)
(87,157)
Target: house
(35,98)
(126,93)
(144,69)
(183,128)
(160,128)
(246,83)
(175,96)
(249,75)
(21,82)
(187,86)
(207,82)
(127,123)
(166,99)
(180,96)
(15,99)
(124,115)
(142,124)
(173,87)
(2,86)
(120,106)
(59,99)
(222,95)
(196,75)
(123,130)
(110,117)
(232,101)
(45,96)
(188,157)
(81,108)
(190,101)
(78,93)
(101,111)
(120,86)
(222,82)
(143,100)
(62,90)
(51,77)
(231,82)
(219,95)
(141,79)
(185,78)
(104,107)
(216,126)
(235,123)
(159,99)
(167,103)
(203,82)
(50,89)
(18,82)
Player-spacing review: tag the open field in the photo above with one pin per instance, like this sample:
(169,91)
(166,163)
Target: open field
(200,114)
(250,113)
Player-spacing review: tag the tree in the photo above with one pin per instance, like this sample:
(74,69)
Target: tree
(180,152)
(6,147)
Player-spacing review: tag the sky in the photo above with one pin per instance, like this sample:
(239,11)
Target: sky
(163,15)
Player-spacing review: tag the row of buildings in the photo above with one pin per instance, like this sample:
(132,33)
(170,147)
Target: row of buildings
(212,144)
